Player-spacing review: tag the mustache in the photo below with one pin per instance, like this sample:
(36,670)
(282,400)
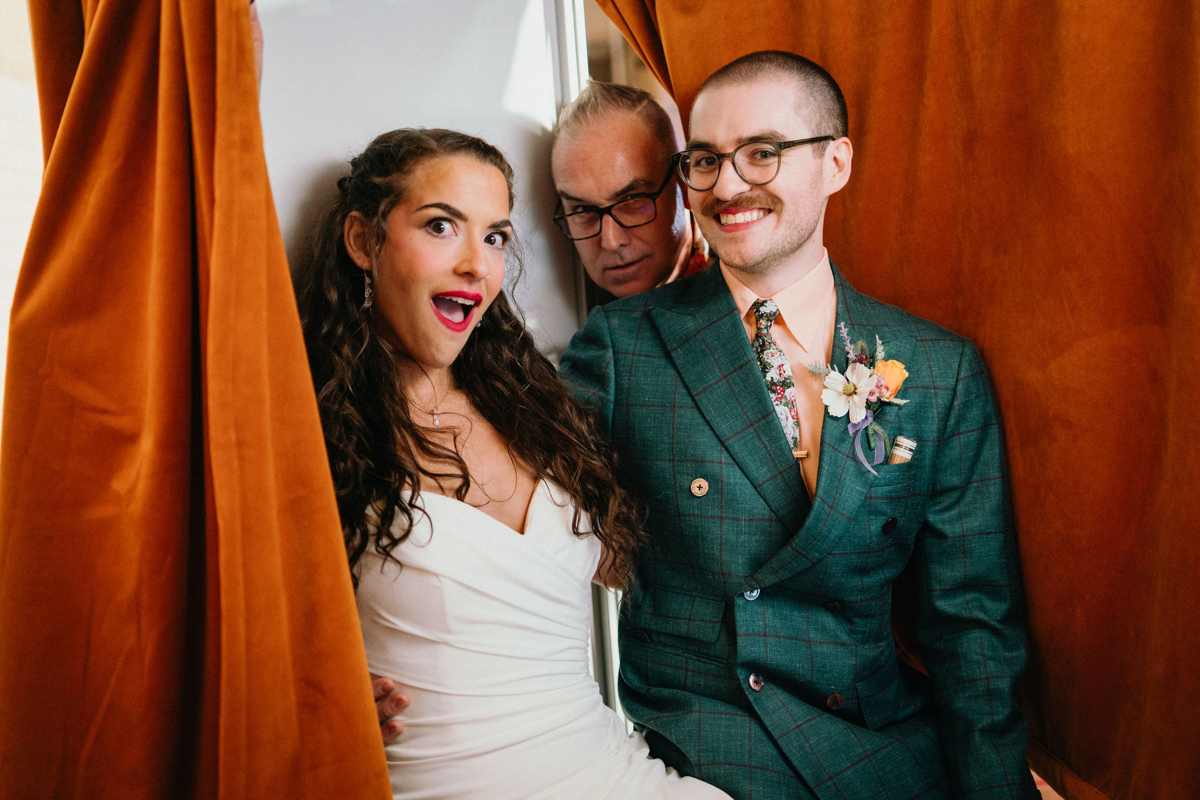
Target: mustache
(712,205)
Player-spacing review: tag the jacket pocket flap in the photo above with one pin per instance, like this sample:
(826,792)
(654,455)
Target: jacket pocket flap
(878,696)
(679,614)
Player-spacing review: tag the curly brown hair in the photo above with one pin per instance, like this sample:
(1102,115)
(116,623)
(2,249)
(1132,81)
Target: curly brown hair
(375,447)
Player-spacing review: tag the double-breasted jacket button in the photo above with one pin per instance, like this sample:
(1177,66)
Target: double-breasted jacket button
(889,524)
(834,606)
(756,681)
(752,594)
(699,487)
(835,701)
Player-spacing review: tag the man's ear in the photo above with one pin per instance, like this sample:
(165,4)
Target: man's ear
(356,235)
(839,155)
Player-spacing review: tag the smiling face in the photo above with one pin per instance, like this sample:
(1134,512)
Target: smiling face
(442,261)
(598,164)
(773,230)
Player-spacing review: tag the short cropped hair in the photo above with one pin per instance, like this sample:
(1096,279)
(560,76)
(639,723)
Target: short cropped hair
(600,100)
(826,103)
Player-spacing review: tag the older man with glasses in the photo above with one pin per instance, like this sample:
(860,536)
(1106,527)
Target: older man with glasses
(619,202)
(799,446)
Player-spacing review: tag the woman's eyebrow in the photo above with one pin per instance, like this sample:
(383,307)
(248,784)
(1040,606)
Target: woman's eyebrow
(449,209)
(501,224)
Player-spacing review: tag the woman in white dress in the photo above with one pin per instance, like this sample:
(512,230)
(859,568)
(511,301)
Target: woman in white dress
(476,497)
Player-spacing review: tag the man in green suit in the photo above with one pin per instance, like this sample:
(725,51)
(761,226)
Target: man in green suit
(756,649)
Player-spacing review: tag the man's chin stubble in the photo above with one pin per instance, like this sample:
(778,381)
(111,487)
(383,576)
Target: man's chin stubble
(772,258)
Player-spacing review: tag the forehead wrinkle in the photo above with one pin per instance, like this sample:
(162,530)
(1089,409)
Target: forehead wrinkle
(636,183)
(612,143)
(570,197)
(633,185)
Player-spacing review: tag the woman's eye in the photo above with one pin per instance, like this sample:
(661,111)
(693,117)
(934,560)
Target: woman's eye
(440,226)
(496,239)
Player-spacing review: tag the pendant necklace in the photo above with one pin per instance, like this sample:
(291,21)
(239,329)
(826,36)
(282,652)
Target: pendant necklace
(437,406)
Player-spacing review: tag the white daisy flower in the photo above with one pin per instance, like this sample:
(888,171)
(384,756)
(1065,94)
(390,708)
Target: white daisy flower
(847,394)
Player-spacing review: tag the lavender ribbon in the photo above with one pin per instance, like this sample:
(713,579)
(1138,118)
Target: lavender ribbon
(856,430)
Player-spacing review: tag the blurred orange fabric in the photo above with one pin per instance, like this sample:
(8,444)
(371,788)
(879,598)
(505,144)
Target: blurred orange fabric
(1026,173)
(176,614)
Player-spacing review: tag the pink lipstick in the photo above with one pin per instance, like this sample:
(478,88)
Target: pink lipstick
(454,309)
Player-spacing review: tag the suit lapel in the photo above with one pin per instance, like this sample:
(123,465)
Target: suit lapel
(842,480)
(711,352)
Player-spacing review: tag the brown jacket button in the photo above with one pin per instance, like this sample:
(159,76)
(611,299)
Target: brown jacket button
(699,487)
(890,524)
(756,682)
(835,701)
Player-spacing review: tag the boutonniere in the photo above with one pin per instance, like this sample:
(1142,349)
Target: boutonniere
(860,391)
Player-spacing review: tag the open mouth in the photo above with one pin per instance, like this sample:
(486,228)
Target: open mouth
(454,309)
(742,217)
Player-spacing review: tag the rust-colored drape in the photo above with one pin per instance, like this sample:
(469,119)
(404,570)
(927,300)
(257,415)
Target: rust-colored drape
(176,617)
(1026,173)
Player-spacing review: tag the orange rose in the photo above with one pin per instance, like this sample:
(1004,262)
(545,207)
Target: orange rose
(893,374)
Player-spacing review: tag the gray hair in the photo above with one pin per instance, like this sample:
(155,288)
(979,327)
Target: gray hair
(600,100)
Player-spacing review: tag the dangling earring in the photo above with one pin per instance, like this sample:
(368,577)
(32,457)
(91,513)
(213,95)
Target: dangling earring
(368,291)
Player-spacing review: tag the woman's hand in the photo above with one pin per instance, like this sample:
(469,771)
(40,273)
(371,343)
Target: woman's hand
(388,703)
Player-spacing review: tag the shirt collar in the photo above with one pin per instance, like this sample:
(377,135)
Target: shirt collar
(801,305)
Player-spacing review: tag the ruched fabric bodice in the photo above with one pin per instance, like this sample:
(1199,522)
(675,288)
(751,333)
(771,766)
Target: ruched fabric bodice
(487,630)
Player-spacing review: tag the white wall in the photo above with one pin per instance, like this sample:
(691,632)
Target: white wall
(336,74)
(20,152)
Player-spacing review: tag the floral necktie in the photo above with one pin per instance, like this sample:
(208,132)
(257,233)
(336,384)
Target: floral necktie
(775,370)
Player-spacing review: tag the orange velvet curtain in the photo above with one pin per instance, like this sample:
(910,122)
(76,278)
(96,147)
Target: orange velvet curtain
(1026,173)
(176,617)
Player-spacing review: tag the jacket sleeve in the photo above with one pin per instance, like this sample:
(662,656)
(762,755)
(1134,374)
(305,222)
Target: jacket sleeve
(587,368)
(971,618)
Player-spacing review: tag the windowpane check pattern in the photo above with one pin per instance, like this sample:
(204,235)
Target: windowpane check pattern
(756,644)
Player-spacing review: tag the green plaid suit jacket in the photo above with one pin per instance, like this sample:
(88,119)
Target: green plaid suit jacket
(751,581)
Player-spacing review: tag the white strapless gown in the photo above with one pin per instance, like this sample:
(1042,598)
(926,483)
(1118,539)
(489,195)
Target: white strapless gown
(487,630)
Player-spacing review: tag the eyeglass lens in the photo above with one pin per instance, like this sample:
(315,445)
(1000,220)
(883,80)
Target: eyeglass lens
(756,163)
(630,214)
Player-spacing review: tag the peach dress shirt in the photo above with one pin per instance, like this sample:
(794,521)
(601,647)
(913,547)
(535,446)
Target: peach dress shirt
(804,332)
